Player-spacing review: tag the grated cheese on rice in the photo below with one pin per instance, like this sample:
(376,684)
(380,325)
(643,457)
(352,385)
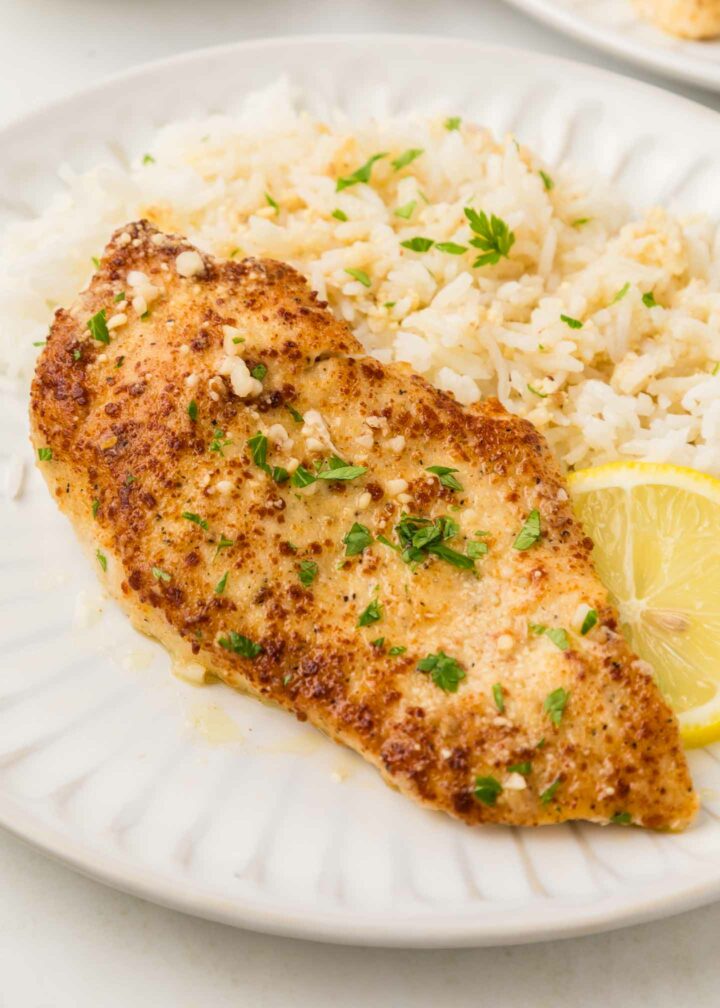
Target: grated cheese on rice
(638,379)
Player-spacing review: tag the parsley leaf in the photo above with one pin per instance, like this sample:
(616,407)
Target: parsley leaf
(160,575)
(580,222)
(559,637)
(360,275)
(357,539)
(302,477)
(258,445)
(452,248)
(549,793)
(540,395)
(370,614)
(444,671)
(195,519)
(192,410)
(223,544)
(307,572)
(219,441)
(453,123)
(555,704)
(621,293)
(271,202)
(420,536)
(361,175)
(445,475)
(406,211)
(259,371)
(220,586)
(98,327)
(499,697)
(524,768)
(547,181)
(297,417)
(487,790)
(621,818)
(495,239)
(418,244)
(95,507)
(148,159)
(45,454)
(241,645)
(397,649)
(406,158)
(530,533)
(339,215)
(101,559)
(573,323)
(648,299)
(591,618)
(342,472)
(475,550)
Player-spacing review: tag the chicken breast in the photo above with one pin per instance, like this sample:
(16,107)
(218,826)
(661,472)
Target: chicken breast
(337,537)
(693,19)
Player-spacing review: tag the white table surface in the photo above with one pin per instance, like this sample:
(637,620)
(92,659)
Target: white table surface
(66,941)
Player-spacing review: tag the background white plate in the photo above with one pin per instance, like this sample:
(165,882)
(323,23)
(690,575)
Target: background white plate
(102,762)
(614,25)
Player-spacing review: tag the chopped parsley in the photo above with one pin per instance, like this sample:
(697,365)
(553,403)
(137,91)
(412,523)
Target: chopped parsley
(192,410)
(331,469)
(581,222)
(444,671)
(499,697)
(45,454)
(195,519)
(272,203)
(555,704)
(621,293)
(41,342)
(573,323)
(219,441)
(406,211)
(101,559)
(95,507)
(453,123)
(372,613)
(240,645)
(98,327)
(119,297)
(223,544)
(557,635)
(220,586)
(148,159)
(307,572)
(537,392)
(77,353)
(591,618)
(361,175)
(530,533)
(475,550)
(487,790)
(357,540)
(420,537)
(95,262)
(339,215)
(407,157)
(648,299)
(297,417)
(389,304)
(547,180)
(378,642)
(452,248)
(359,275)
(259,371)
(160,575)
(397,649)
(524,768)
(621,819)
(258,445)
(445,475)
(494,240)
(418,244)
(549,793)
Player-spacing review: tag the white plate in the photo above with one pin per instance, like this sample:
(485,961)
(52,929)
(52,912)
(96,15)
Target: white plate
(616,27)
(280,830)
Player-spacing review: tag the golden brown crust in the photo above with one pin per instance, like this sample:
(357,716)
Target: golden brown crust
(116,418)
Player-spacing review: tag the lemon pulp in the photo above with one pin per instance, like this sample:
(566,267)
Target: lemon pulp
(656,530)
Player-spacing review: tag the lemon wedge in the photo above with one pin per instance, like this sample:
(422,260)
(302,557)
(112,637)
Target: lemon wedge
(656,530)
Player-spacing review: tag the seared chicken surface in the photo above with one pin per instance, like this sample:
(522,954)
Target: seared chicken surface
(339,538)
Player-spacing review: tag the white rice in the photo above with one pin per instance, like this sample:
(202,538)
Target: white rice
(634,382)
